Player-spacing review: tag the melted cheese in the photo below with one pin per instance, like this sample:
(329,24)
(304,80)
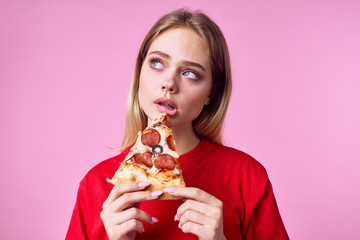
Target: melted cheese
(132,171)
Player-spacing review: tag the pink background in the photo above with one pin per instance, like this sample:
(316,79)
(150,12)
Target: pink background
(65,70)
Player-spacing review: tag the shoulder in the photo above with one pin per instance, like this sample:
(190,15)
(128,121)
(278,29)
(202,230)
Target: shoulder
(237,168)
(238,172)
(236,158)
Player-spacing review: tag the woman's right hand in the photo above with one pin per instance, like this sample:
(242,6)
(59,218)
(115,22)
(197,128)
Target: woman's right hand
(120,215)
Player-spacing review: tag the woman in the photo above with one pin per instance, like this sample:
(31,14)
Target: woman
(182,69)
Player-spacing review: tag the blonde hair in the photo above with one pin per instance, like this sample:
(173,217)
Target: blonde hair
(210,121)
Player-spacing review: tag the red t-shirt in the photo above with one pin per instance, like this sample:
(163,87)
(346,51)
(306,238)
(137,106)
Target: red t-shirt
(238,180)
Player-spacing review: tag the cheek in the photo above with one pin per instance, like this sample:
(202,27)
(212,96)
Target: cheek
(144,91)
(147,91)
(195,102)
(146,80)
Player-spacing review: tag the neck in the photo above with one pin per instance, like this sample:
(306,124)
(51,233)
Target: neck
(185,139)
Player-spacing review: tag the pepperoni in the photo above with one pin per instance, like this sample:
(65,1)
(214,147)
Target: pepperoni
(170,142)
(150,137)
(165,161)
(144,158)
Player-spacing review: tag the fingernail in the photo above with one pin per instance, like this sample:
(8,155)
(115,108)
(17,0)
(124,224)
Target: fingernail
(154,220)
(179,226)
(169,190)
(176,218)
(156,194)
(143,184)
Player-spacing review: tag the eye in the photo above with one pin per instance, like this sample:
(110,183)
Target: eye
(192,75)
(156,63)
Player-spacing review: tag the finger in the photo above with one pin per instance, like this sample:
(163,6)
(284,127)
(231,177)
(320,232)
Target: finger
(130,198)
(200,230)
(122,188)
(131,213)
(193,193)
(194,228)
(134,225)
(195,217)
(125,228)
(193,205)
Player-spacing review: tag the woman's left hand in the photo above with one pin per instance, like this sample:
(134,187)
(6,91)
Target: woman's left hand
(200,214)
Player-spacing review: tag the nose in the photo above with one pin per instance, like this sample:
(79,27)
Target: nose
(169,85)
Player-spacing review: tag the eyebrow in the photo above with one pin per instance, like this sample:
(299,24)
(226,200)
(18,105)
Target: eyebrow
(187,63)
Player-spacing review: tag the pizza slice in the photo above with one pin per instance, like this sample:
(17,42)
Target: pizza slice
(152,159)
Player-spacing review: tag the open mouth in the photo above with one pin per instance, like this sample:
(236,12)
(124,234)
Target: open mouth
(165,105)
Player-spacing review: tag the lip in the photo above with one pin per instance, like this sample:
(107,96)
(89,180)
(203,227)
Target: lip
(165,105)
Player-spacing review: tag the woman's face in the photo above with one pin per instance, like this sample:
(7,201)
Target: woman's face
(176,77)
